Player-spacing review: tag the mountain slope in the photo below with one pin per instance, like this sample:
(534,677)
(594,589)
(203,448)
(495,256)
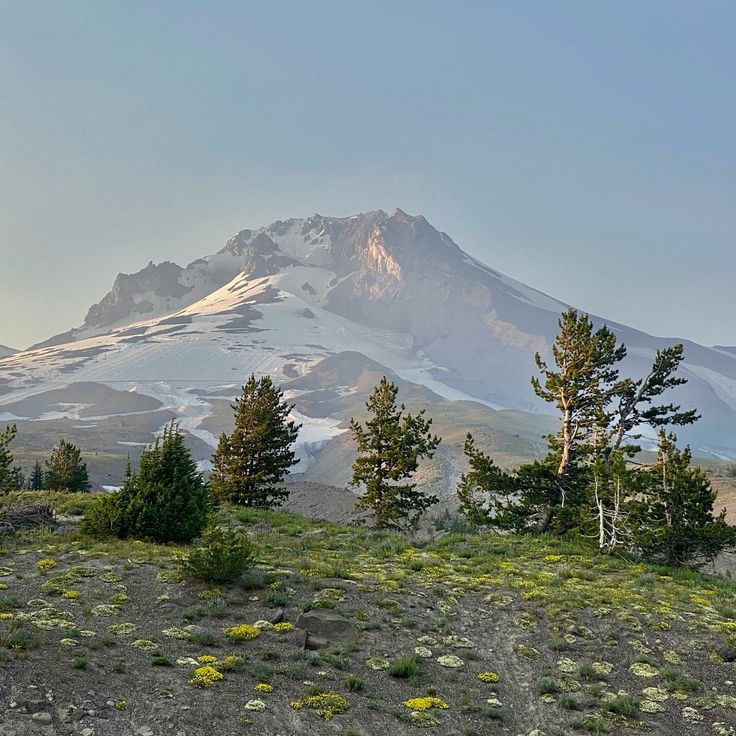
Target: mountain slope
(5,351)
(326,306)
(512,635)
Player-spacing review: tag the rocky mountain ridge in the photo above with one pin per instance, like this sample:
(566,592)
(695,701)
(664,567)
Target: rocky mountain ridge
(326,305)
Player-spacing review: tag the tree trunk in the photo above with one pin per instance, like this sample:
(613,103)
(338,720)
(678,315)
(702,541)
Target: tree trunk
(544,521)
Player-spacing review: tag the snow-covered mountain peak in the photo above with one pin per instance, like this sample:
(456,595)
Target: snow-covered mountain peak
(398,295)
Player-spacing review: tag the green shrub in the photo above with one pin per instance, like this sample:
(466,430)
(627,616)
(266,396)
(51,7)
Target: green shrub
(222,554)
(622,704)
(167,500)
(547,685)
(354,684)
(405,668)
(102,520)
(8,603)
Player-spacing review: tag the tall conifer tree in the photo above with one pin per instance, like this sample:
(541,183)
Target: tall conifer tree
(390,446)
(35,480)
(65,470)
(9,475)
(250,464)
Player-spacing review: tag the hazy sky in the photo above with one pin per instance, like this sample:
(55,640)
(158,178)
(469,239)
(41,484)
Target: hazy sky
(586,148)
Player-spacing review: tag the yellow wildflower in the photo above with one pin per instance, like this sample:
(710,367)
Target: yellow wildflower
(45,565)
(205,677)
(425,703)
(242,632)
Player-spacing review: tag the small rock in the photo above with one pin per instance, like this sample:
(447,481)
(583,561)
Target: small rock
(86,732)
(144,731)
(34,706)
(313,642)
(325,626)
(44,719)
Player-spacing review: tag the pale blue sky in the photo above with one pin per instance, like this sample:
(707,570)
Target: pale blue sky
(586,148)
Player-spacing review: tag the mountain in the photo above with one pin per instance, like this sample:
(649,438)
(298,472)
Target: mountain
(5,351)
(326,306)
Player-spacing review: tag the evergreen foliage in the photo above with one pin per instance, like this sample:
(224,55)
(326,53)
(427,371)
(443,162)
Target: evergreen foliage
(250,464)
(672,516)
(223,553)
(35,479)
(390,446)
(167,500)
(585,483)
(9,475)
(65,470)
(581,385)
(510,501)
(484,489)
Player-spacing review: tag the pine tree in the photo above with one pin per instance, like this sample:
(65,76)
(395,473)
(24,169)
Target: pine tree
(635,402)
(581,385)
(584,483)
(484,490)
(250,464)
(673,517)
(600,416)
(389,449)
(35,479)
(490,496)
(167,500)
(65,470)
(9,475)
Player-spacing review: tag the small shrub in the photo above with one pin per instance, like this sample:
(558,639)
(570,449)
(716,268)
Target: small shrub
(568,702)
(622,705)
(548,686)
(222,554)
(354,684)
(405,668)
(203,638)
(678,681)
(8,602)
(493,713)
(80,663)
(276,599)
(192,613)
(102,520)
(21,638)
(217,608)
